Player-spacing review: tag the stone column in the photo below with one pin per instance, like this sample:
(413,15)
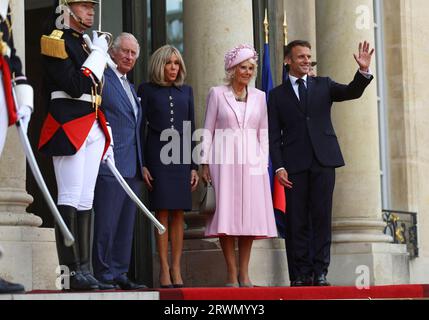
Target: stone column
(210,29)
(357,222)
(296,15)
(407,33)
(29,251)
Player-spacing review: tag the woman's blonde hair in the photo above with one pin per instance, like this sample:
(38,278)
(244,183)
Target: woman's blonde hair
(157,66)
(229,74)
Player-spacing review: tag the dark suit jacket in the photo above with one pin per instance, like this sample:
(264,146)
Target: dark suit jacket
(125,127)
(295,135)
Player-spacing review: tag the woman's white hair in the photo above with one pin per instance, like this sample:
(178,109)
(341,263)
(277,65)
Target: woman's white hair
(229,74)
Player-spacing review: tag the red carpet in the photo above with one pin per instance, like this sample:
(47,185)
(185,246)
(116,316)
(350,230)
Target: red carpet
(287,293)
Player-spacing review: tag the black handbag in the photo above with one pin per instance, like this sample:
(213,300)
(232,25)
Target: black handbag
(208,200)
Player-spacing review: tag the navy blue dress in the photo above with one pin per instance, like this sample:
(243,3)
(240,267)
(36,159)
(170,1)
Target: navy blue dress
(169,108)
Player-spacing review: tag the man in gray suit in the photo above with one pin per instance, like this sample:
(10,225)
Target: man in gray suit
(114,210)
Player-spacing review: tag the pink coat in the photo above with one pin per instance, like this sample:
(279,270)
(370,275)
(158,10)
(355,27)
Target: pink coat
(238,161)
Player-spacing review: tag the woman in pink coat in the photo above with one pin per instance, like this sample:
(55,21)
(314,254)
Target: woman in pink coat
(235,160)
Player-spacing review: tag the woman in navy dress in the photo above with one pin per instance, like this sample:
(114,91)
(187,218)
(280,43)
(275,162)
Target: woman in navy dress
(169,172)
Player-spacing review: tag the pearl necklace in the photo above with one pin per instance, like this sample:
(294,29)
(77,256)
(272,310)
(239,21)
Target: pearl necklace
(242,97)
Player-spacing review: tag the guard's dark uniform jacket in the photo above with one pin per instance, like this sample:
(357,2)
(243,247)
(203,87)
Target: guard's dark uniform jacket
(10,65)
(75,95)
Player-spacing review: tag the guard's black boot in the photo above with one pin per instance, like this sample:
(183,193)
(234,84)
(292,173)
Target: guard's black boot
(85,230)
(11,288)
(69,256)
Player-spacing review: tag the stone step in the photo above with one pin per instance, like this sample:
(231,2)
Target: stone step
(142,295)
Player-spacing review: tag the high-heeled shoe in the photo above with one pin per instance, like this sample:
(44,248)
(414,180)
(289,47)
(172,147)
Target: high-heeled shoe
(168,286)
(246,285)
(176,285)
(232,285)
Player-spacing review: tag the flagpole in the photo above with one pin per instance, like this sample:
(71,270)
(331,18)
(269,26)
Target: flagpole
(285,33)
(285,29)
(266,27)
(278,192)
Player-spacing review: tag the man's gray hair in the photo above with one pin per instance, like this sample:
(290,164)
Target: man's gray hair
(125,35)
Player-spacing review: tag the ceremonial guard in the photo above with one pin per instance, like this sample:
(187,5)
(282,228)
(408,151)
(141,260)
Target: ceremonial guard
(12,79)
(75,133)
(11,74)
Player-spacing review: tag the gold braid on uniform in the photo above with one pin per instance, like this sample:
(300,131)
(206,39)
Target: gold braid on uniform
(53,45)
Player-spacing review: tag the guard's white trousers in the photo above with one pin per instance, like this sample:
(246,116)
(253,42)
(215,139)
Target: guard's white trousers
(4,117)
(76,175)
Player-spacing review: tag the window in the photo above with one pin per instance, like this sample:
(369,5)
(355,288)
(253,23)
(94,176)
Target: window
(175,23)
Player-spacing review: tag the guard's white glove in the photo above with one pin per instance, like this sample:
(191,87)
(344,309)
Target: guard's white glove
(25,98)
(88,41)
(90,45)
(109,153)
(99,43)
(97,60)
(24,114)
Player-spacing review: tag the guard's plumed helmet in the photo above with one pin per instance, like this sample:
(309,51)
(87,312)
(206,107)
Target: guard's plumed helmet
(68,2)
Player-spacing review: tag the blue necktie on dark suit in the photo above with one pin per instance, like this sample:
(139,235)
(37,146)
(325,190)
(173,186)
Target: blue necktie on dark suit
(302,90)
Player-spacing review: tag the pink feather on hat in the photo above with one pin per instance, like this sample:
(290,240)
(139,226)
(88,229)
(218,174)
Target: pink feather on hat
(239,54)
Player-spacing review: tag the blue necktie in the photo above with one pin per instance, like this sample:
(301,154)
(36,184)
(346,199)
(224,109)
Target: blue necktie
(302,90)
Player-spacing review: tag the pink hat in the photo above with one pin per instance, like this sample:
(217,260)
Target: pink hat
(239,54)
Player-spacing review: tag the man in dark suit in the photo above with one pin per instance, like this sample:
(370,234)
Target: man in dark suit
(305,152)
(114,210)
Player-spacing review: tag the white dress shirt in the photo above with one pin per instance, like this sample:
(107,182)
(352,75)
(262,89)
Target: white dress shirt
(295,84)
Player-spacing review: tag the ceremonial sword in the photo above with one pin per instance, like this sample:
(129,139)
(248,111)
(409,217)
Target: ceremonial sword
(133,196)
(108,34)
(68,237)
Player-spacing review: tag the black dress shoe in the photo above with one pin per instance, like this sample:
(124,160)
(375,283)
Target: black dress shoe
(9,287)
(302,281)
(91,280)
(78,282)
(126,284)
(111,285)
(106,285)
(320,281)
